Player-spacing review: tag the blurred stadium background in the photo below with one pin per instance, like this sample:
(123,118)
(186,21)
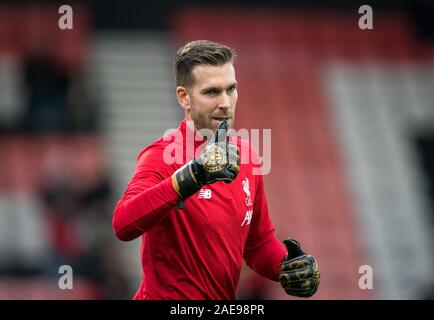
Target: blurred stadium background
(351,113)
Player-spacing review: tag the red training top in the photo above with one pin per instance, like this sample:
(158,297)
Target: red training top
(196,252)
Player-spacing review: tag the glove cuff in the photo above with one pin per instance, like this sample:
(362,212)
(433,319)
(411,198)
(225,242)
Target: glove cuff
(184,180)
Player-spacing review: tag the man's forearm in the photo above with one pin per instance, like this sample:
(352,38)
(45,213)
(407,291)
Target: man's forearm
(136,214)
(265,258)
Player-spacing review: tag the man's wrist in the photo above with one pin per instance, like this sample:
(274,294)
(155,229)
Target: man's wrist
(185,182)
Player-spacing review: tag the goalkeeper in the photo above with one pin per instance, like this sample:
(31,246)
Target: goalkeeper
(201,216)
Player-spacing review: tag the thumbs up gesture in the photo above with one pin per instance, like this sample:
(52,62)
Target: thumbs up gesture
(218,162)
(299,272)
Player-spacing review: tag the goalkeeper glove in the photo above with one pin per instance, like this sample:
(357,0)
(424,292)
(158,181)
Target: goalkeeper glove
(299,272)
(218,162)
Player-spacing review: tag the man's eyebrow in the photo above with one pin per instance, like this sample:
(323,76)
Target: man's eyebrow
(218,89)
(210,89)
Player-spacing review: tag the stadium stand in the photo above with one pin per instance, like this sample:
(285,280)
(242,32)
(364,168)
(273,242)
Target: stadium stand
(55,193)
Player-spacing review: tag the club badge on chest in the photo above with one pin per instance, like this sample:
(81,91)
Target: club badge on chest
(246,189)
(249,213)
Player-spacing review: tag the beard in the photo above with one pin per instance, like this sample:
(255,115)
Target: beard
(211,122)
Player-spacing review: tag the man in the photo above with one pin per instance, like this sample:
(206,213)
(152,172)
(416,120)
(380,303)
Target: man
(200,216)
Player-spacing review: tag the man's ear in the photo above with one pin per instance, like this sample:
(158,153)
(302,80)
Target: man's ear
(183,97)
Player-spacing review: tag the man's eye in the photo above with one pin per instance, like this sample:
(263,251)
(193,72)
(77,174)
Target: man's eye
(232,89)
(211,92)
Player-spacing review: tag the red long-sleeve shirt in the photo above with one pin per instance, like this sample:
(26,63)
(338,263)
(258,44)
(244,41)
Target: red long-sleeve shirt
(195,252)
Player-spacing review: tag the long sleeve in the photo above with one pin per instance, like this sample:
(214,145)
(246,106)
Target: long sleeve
(148,197)
(263,251)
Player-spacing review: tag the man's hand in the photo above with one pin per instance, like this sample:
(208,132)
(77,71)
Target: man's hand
(218,162)
(299,272)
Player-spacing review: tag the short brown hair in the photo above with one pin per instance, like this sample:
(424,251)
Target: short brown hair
(199,52)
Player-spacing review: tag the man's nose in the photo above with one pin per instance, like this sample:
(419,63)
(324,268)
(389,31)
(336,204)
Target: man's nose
(225,102)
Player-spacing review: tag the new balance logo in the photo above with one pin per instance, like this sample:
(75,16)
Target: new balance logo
(248,217)
(204,194)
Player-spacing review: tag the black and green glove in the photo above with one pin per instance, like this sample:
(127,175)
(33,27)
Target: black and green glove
(299,272)
(218,162)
